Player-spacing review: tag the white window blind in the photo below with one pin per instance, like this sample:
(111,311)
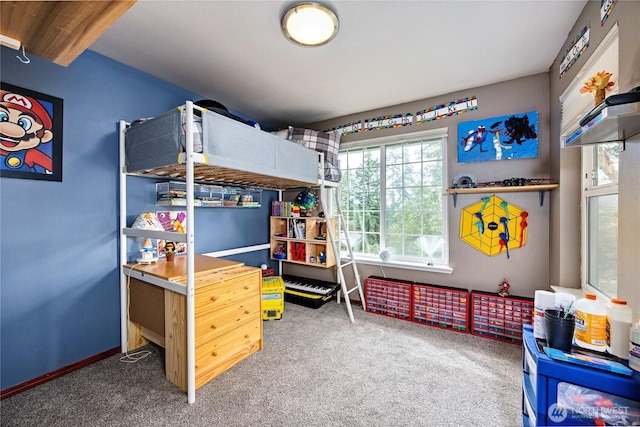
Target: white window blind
(575,104)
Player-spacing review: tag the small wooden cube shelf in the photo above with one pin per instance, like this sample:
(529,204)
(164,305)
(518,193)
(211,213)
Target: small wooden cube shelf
(500,318)
(302,240)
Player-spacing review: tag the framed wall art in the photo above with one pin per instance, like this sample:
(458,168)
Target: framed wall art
(499,138)
(30,134)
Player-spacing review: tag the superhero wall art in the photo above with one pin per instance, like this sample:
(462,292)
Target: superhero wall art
(500,138)
(30,134)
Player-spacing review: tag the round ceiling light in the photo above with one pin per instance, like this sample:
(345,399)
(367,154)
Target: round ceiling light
(310,24)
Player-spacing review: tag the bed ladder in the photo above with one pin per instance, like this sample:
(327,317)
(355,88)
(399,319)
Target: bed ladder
(330,198)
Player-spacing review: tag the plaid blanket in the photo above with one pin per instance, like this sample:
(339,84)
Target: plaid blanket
(323,142)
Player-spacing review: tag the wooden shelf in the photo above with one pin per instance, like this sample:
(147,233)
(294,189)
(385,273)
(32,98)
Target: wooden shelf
(295,237)
(512,189)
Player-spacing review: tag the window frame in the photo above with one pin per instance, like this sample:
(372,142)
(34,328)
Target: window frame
(441,265)
(574,105)
(590,189)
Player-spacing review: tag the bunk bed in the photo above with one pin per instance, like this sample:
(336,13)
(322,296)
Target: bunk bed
(225,151)
(198,145)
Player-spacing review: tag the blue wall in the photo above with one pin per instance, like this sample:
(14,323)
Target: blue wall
(59,275)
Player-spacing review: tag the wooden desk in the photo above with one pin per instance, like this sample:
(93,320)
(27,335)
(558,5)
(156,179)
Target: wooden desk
(228,321)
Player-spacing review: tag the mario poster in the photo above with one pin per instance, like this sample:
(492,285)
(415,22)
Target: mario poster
(30,134)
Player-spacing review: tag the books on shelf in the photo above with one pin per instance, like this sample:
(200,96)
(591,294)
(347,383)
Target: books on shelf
(299,228)
(173,193)
(284,209)
(177,201)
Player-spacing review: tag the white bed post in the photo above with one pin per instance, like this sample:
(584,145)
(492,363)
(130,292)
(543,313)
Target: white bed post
(190,296)
(270,248)
(124,321)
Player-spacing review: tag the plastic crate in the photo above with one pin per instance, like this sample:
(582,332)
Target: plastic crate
(441,306)
(500,318)
(388,297)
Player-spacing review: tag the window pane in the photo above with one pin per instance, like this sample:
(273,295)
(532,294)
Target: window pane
(371,244)
(433,199)
(432,150)
(413,222)
(394,176)
(372,221)
(412,174)
(354,159)
(412,152)
(432,173)
(394,243)
(394,155)
(393,223)
(394,199)
(606,159)
(603,243)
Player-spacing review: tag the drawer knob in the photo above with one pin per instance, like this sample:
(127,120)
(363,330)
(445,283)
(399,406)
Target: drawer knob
(214,298)
(246,336)
(214,327)
(247,312)
(214,354)
(247,287)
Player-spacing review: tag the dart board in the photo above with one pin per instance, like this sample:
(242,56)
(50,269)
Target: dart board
(494,226)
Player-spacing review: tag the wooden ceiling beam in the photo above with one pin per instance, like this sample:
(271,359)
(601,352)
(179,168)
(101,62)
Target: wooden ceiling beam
(59,31)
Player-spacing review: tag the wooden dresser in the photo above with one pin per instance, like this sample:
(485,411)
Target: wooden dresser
(228,322)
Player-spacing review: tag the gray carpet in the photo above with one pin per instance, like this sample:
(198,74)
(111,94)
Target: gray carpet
(317,369)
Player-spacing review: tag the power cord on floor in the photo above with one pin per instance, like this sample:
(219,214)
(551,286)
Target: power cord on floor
(137,355)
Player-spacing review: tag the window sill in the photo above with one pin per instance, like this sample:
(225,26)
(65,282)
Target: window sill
(579,292)
(576,292)
(443,269)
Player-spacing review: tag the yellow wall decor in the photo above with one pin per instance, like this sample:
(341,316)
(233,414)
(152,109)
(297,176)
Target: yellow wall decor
(494,226)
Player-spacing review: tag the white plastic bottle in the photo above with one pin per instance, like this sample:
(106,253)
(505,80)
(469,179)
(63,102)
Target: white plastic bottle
(591,323)
(619,318)
(542,301)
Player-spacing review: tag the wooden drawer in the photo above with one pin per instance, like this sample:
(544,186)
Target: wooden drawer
(237,288)
(216,323)
(219,277)
(216,356)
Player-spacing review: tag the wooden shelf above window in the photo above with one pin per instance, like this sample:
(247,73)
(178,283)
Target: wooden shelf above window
(541,189)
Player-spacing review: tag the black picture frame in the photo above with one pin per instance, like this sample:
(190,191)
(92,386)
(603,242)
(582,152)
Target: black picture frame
(28,109)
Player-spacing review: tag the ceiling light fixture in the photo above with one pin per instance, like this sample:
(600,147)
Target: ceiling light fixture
(310,24)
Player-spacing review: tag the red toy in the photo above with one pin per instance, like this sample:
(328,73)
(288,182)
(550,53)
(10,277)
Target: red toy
(504,288)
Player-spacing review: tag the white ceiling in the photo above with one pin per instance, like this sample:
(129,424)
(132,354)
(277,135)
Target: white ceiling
(386,53)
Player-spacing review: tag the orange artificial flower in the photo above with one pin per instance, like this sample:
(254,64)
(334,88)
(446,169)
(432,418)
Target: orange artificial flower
(598,82)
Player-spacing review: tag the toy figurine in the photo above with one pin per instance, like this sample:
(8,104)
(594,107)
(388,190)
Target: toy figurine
(147,253)
(504,288)
(280,251)
(170,250)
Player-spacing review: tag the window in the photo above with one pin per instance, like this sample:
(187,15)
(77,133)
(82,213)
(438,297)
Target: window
(600,215)
(392,197)
(600,173)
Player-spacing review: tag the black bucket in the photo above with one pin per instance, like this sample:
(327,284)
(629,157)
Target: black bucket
(559,329)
